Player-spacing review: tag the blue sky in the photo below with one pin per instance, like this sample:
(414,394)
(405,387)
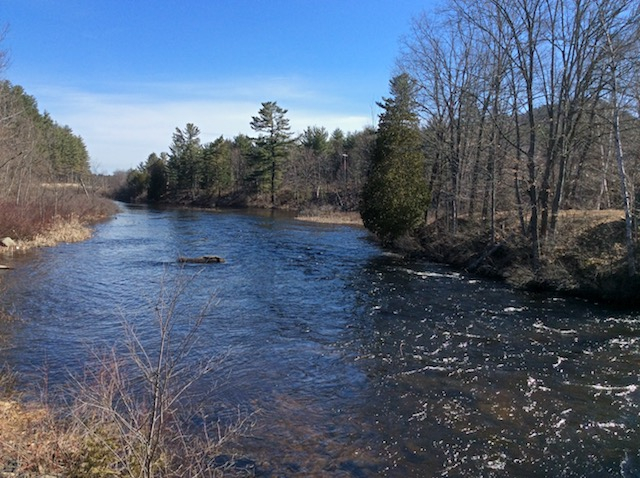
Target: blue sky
(124,74)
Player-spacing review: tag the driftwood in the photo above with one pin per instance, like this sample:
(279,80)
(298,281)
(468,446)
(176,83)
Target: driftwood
(201,260)
(3,267)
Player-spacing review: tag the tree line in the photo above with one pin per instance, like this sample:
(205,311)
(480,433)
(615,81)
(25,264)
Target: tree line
(499,109)
(34,149)
(528,108)
(274,168)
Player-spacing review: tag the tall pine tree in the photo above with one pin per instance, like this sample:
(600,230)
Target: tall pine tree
(184,165)
(395,196)
(272,145)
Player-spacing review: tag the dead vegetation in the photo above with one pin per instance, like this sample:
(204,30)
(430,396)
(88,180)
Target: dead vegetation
(589,260)
(44,215)
(34,443)
(351,218)
(132,412)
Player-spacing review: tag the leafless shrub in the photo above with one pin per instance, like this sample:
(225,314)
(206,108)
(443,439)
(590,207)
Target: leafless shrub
(8,381)
(35,217)
(137,408)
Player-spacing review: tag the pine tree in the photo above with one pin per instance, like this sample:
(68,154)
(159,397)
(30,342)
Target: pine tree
(395,196)
(272,145)
(156,167)
(184,165)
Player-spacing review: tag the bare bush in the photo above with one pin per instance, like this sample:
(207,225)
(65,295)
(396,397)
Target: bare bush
(138,407)
(29,219)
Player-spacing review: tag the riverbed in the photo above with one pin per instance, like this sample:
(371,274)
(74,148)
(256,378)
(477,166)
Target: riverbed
(355,362)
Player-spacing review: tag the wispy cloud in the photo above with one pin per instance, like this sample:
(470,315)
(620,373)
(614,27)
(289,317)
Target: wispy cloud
(122,125)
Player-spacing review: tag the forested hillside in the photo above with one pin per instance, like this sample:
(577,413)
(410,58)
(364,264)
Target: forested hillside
(530,112)
(44,169)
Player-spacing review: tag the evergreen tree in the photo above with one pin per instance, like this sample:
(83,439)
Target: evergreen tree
(64,151)
(395,196)
(272,145)
(216,162)
(156,168)
(241,153)
(137,183)
(184,166)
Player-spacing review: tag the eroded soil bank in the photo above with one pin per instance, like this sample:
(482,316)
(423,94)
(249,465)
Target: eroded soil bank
(587,257)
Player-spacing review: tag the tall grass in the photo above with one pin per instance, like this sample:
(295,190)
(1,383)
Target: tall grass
(27,219)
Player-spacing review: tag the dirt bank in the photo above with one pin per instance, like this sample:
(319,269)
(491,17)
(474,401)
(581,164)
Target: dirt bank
(587,258)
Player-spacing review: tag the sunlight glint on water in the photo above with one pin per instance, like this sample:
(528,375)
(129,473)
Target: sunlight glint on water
(362,363)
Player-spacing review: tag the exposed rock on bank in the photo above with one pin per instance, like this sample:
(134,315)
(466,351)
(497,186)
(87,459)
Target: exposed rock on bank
(7,242)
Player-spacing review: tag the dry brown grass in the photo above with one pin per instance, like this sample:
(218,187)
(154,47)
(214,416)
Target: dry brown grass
(335,217)
(597,237)
(32,442)
(43,213)
(61,231)
(586,255)
(575,222)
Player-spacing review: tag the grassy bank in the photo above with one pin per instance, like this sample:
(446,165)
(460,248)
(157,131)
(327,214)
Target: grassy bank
(51,218)
(589,261)
(332,217)
(33,442)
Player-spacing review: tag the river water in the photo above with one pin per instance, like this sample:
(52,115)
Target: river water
(357,362)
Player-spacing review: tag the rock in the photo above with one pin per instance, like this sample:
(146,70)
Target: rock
(201,260)
(7,242)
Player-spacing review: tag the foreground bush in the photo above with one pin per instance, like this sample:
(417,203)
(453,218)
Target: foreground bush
(132,413)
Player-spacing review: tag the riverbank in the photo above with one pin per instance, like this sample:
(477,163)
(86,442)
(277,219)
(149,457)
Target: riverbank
(588,260)
(61,231)
(351,218)
(65,230)
(27,228)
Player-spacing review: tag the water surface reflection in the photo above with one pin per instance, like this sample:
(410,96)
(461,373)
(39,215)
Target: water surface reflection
(362,363)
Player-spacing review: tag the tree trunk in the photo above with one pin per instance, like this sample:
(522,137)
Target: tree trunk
(624,187)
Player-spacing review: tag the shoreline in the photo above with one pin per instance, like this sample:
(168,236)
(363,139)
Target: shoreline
(62,231)
(351,218)
(589,263)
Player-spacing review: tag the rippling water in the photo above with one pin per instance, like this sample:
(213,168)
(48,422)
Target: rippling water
(361,362)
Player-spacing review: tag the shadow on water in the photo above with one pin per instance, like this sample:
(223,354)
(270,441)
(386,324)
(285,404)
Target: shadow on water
(361,363)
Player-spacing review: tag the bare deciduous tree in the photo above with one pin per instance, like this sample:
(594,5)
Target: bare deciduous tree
(522,83)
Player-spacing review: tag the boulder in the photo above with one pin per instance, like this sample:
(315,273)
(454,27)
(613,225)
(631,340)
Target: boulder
(201,260)
(7,242)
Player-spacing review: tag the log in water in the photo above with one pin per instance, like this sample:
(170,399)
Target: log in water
(361,363)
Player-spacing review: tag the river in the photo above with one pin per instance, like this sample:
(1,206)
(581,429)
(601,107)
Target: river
(356,361)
